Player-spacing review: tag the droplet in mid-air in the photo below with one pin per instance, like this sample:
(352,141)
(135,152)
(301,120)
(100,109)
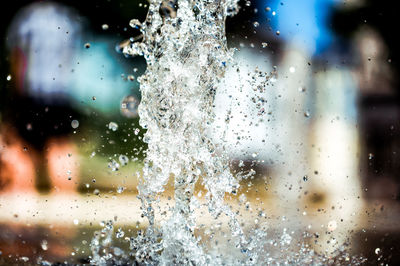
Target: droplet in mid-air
(135,23)
(123,159)
(75,124)
(377,251)
(120,190)
(302,89)
(43,244)
(129,106)
(113,165)
(113,126)
(332,225)
(104,27)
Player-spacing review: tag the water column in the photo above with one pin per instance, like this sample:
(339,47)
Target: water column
(185,48)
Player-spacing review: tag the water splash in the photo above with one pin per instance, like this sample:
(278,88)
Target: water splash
(185,47)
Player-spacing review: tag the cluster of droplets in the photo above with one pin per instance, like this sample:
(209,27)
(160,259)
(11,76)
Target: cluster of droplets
(103,252)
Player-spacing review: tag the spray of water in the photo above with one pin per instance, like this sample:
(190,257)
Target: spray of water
(185,47)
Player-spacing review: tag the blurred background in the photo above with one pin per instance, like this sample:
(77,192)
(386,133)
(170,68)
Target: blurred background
(325,148)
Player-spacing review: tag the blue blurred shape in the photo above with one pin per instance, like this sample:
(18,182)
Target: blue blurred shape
(96,79)
(305,22)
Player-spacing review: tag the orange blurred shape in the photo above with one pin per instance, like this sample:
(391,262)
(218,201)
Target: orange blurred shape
(62,159)
(17,170)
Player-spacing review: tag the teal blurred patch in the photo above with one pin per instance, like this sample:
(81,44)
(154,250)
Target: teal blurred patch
(96,81)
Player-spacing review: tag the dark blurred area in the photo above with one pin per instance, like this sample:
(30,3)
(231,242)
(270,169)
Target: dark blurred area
(379,102)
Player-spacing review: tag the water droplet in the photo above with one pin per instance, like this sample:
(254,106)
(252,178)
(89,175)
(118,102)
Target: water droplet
(129,106)
(87,45)
(75,124)
(278,32)
(9,77)
(302,89)
(24,259)
(305,178)
(377,251)
(264,45)
(135,23)
(113,126)
(370,156)
(120,190)
(332,225)
(256,24)
(113,165)
(292,69)
(43,244)
(104,27)
(268,9)
(123,159)
(307,114)
(76,221)
(119,233)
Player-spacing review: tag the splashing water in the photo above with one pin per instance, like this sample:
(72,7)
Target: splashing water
(187,57)
(186,53)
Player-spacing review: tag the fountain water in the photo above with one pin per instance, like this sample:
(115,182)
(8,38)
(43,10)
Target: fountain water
(185,47)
